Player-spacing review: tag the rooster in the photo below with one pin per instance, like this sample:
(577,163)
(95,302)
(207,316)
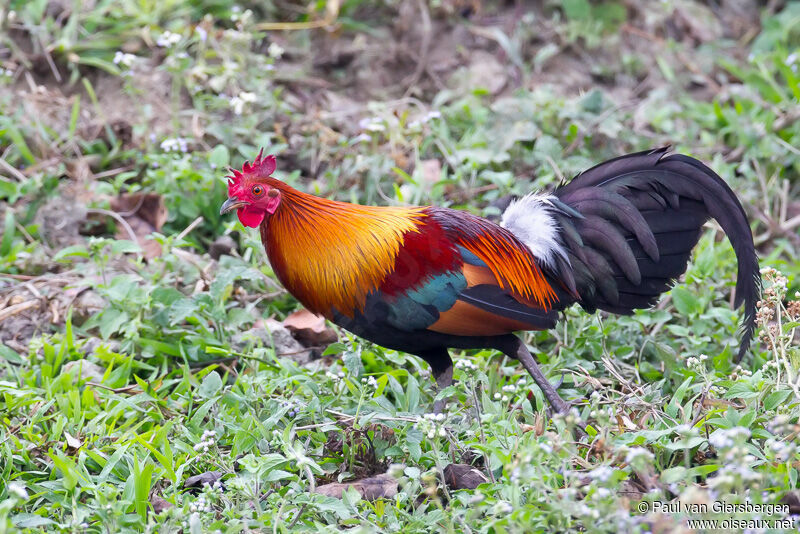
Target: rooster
(423,280)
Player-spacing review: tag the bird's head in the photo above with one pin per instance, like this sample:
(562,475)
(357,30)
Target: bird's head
(252,191)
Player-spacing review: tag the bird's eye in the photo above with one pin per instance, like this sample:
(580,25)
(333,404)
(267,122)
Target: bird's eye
(257,190)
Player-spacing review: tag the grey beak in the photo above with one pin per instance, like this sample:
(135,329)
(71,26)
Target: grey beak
(231,204)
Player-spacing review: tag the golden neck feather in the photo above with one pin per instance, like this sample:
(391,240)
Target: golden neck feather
(331,254)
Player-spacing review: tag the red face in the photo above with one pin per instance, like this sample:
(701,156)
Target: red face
(250,194)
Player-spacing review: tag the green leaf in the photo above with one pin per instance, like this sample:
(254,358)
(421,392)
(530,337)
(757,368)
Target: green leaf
(31,521)
(690,443)
(73,117)
(10,355)
(677,398)
(593,102)
(685,302)
(220,157)
(111,321)
(334,348)
(412,442)
(8,233)
(673,474)
(352,362)
(125,246)
(775,398)
(577,9)
(74,250)
(181,309)
(211,385)
(741,390)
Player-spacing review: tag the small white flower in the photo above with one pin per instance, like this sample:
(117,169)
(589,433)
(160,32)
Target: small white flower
(497,396)
(372,124)
(201,32)
(503,508)
(466,365)
(178,144)
(790,59)
(637,454)
(126,60)
(275,50)
(477,498)
(168,39)
(18,489)
(601,473)
(601,493)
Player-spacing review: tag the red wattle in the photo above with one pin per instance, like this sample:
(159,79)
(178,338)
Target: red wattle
(250,217)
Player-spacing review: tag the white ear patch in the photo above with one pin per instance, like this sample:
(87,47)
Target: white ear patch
(530,219)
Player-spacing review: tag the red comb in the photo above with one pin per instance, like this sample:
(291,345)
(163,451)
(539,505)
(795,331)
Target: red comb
(261,167)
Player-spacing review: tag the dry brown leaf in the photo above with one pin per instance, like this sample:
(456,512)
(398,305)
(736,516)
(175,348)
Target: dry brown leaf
(72,442)
(463,476)
(372,488)
(145,213)
(159,504)
(147,206)
(309,329)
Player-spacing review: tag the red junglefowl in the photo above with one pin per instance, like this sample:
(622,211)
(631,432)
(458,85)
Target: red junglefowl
(425,279)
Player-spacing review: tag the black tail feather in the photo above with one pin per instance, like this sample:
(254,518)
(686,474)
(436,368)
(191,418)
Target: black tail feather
(643,215)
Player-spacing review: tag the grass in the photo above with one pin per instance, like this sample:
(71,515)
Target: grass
(124,374)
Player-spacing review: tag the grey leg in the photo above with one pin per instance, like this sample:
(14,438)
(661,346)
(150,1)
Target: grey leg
(442,369)
(443,380)
(522,354)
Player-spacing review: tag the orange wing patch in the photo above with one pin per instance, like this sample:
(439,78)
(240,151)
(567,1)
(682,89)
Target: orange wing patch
(513,269)
(464,319)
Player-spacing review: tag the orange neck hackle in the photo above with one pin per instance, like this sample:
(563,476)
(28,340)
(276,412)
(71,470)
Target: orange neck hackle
(331,254)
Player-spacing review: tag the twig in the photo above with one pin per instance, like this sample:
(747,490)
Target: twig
(112,172)
(297,517)
(189,228)
(50,61)
(126,389)
(18,308)
(24,232)
(332,13)
(133,210)
(422,62)
(12,170)
(118,218)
